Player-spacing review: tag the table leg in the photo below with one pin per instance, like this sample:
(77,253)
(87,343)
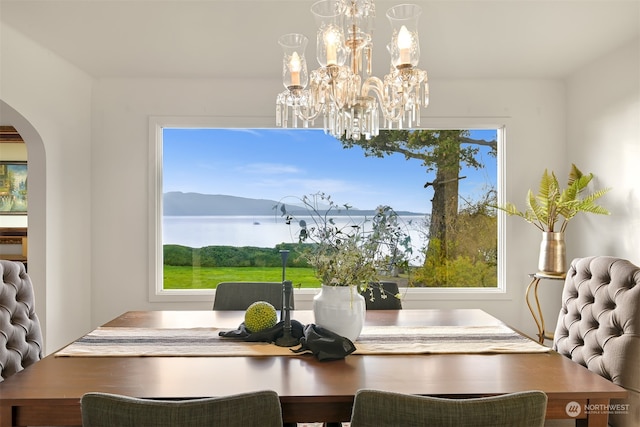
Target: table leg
(537,315)
(5,416)
(597,414)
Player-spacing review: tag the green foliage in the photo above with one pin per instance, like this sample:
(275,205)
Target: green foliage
(469,259)
(551,203)
(459,272)
(432,147)
(231,256)
(475,235)
(177,255)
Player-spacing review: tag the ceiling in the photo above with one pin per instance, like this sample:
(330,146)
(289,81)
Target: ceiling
(238,38)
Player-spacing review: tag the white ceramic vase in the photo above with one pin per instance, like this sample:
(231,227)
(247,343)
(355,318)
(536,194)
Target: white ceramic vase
(341,309)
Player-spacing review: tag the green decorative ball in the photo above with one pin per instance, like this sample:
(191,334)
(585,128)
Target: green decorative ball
(260,316)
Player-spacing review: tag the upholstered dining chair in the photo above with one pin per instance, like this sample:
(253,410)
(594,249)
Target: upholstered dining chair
(377,408)
(20,333)
(599,326)
(382,296)
(261,408)
(240,295)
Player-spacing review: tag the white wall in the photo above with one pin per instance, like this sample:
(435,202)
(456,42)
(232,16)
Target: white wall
(603,136)
(48,101)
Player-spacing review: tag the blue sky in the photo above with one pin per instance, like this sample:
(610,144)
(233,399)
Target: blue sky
(276,163)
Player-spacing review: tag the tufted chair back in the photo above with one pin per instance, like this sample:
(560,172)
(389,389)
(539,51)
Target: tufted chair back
(599,326)
(20,334)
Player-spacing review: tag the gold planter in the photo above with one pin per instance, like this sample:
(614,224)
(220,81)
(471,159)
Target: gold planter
(552,259)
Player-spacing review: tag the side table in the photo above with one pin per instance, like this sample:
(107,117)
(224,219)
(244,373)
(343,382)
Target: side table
(537,313)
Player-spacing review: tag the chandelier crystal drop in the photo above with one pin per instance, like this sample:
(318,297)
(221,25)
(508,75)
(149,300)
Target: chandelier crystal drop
(342,90)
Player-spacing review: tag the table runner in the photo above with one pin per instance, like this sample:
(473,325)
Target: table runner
(194,342)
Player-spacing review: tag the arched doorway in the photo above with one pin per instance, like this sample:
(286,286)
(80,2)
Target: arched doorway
(37,204)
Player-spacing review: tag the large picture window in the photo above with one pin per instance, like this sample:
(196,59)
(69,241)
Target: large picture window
(218,188)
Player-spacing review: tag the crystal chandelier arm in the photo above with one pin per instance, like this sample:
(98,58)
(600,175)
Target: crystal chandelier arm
(296,104)
(334,95)
(375,85)
(315,112)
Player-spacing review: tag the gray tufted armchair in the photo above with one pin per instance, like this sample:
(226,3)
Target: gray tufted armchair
(20,334)
(599,326)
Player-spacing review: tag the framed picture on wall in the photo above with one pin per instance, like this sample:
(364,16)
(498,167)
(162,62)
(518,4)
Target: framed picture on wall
(13,188)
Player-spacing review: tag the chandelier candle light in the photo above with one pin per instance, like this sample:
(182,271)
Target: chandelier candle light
(348,97)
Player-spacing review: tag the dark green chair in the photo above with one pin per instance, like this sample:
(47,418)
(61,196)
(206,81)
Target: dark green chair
(375,408)
(382,296)
(240,295)
(260,408)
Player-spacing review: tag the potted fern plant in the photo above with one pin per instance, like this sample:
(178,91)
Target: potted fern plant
(551,210)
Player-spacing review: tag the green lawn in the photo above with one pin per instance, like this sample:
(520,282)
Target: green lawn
(209,277)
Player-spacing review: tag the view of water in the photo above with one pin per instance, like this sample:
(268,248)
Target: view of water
(261,231)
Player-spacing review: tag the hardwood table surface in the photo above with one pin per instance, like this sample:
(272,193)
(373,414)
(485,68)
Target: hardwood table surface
(48,392)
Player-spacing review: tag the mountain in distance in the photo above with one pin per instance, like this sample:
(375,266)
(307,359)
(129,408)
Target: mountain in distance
(177,203)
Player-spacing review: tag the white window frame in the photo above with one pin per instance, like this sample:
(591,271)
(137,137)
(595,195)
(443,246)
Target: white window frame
(411,296)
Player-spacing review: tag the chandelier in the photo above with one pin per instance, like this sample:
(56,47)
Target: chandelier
(342,90)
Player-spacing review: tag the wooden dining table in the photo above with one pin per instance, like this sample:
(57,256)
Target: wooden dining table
(49,391)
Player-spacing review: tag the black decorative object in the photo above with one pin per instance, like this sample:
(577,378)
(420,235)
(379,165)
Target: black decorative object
(286,340)
(284,254)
